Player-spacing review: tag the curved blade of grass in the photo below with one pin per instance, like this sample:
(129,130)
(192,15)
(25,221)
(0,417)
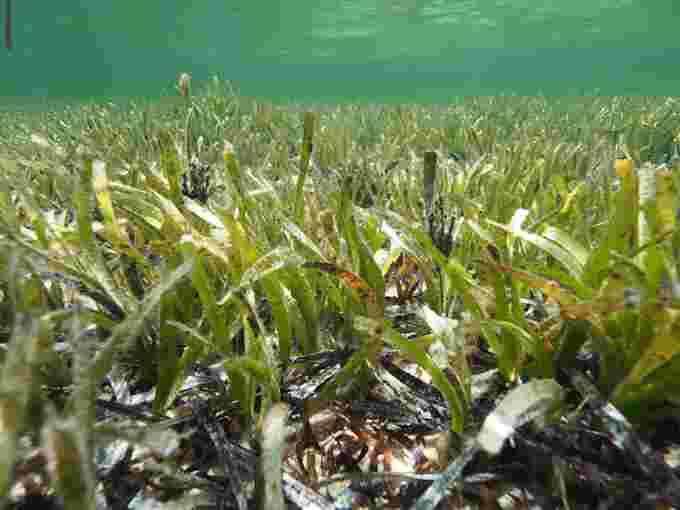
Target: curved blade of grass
(573,335)
(82,203)
(68,464)
(567,242)
(195,338)
(151,222)
(597,264)
(243,251)
(302,287)
(277,296)
(461,281)
(170,166)
(663,347)
(298,234)
(11,412)
(350,371)
(92,176)
(666,202)
(483,234)
(172,215)
(660,386)
(100,185)
(143,198)
(622,230)
(367,266)
(528,343)
(259,371)
(110,301)
(269,263)
(203,213)
(198,345)
(40,227)
(139,206)
(211,308)
(259,347)
(546,278)
(232,173)
(201,243)
(564,256)
(103,360)
(360,290)
(306,154)
(262,268)
(167,353)
(646,202)
(439,379)
(506,362)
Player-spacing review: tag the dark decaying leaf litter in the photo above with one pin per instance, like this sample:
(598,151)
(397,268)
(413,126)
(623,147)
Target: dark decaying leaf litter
(402,419)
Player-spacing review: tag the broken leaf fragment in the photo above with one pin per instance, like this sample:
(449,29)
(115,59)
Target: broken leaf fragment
(527,402)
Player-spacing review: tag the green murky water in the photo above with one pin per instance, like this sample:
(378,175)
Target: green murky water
(375,50)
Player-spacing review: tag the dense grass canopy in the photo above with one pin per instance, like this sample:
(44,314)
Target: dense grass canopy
(211,297)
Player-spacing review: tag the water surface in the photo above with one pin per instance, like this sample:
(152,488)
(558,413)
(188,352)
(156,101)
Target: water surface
(374,50)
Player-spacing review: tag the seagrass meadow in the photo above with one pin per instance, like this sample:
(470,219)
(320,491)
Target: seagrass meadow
(211,301)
